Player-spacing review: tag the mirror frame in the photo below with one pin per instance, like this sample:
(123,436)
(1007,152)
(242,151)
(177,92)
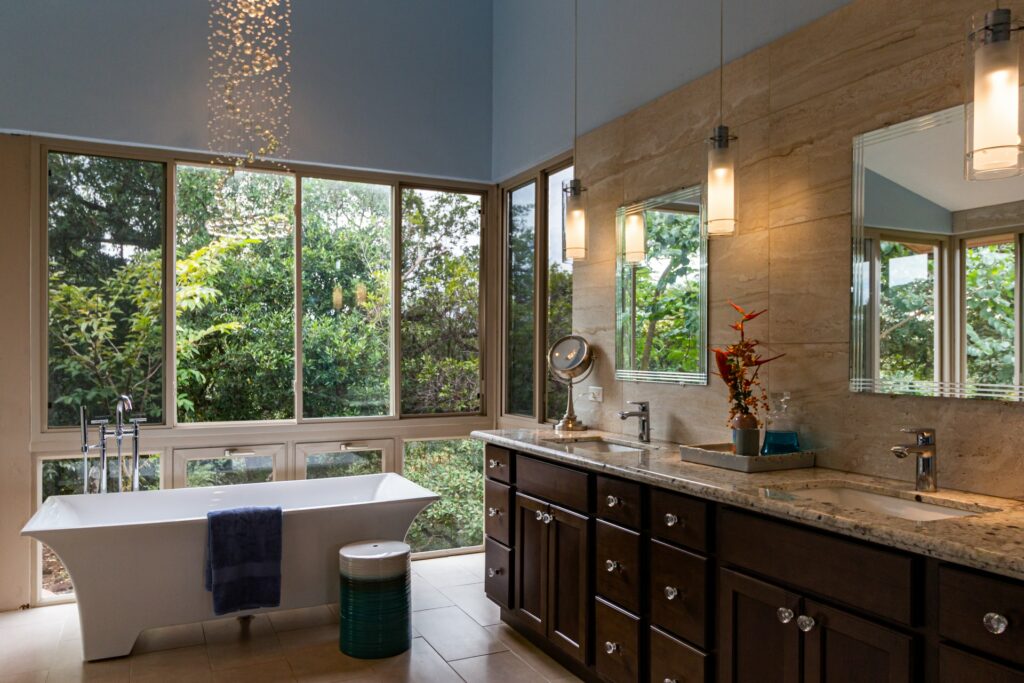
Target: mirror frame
(690,194)
(861,375)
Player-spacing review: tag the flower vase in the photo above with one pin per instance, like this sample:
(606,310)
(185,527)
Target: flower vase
(746,437)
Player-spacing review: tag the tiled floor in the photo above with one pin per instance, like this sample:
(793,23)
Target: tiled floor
(457,636)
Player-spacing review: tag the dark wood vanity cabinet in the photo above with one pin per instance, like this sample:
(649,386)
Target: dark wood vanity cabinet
(624,582)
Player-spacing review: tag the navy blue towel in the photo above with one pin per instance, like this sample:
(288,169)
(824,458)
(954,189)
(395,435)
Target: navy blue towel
(243,558)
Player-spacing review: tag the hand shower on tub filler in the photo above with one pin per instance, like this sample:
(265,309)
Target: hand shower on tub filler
(120,430)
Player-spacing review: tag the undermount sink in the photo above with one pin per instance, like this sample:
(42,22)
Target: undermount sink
(879,503)
(598,444)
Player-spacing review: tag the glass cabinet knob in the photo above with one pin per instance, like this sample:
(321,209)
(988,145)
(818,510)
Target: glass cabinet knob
(995,623)
(670,680)
(612,566)
(540,516)
(671,592)
(613,501)
(493,464)
(610,647)
(805,623)
(492,572)
(493,512)
(784,614)
(670,519)
(547,518)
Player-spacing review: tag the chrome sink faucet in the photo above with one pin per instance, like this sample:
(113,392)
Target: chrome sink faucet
(643,412)
(924,449)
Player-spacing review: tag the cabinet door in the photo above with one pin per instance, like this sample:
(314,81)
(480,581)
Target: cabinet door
(757,635)
(531,558)
(568,586)
(841,648)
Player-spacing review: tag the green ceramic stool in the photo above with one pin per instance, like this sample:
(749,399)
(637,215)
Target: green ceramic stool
(374,599)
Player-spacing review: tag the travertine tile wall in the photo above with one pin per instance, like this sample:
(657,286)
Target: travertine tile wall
(795,105)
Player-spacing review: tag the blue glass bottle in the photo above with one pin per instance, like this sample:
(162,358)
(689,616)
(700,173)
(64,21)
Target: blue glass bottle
(781,435)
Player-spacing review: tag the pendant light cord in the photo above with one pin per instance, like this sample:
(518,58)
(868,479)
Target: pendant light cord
(575,75)
(721,62)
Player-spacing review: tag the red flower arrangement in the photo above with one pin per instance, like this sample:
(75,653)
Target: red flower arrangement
(738,366)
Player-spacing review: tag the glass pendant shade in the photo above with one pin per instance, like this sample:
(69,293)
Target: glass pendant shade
(574,221)
(634,239)
(993,109)
(721,187)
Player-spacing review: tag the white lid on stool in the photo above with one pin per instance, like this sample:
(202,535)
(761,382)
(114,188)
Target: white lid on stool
(374,559)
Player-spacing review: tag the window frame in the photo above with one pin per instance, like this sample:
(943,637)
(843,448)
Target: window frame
(304,450)
(171,159)
(540,175)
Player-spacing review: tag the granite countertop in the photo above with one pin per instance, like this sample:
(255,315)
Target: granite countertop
(991,540)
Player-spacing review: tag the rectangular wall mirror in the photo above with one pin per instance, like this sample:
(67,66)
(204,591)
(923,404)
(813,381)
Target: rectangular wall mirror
(936,267)
(661,290)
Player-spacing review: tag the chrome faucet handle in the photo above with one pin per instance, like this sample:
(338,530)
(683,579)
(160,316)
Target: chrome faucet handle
(925,435)
(645,406)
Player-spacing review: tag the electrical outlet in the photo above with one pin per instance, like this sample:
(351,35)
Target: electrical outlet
(595,394)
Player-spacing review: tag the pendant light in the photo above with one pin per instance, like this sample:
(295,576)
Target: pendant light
(720,211)
(574,205)
(993,107)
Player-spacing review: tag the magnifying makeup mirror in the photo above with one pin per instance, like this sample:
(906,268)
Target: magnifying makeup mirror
(570,359)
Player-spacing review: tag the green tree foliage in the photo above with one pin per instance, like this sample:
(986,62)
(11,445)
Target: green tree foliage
(991,329)
(519,345)
(454,469)
(440,330)
(559,325)
(906,317)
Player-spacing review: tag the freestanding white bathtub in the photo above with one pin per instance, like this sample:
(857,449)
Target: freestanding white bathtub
(136,559)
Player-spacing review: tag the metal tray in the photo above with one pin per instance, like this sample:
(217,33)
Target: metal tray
(721,455)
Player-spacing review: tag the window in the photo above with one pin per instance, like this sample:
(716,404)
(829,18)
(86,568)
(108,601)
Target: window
(907,325)
(440,321)
(63,476)
(105,227)
(454,469)
(346,298)
(235,294)
(559,290)
(990,277)
(224,466)
(342,459)
(519,356)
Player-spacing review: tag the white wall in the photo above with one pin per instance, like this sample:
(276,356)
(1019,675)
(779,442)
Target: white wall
(396,85)
(630,53)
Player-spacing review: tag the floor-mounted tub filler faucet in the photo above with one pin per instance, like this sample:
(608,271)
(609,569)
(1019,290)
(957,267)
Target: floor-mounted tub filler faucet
(924,449)
(121,410)
(643,413)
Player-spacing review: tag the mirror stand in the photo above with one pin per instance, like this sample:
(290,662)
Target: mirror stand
(569,421)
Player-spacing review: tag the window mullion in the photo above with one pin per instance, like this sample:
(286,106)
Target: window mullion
(170,303)
(297,386)
(540,297)
(396,305)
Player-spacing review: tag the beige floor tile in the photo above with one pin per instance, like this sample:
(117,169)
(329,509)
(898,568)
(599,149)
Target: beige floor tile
(168,638)
(425,596)
(307,617)
(326,664)
(445,571)
(531,654)
(474,563)
(244,652)
(454,634)
(232,630)
(470,599)
(265,672)
(27,677)
(28,646)
(503,667)
(183,664)
(421,664)
(308,637)
(36,615)
(69,666)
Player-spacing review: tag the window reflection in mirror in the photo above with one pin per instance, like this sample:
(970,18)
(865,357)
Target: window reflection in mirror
(660,290)
(935,267)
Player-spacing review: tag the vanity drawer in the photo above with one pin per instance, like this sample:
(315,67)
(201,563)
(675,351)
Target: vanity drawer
(498,504)
(863,576)
(679,592)
(679,519)
(966,597)
(617,565)
(674,660)
(498,463)
(618,643)
(956,666)
(553,482)
(619,501)
(498,577)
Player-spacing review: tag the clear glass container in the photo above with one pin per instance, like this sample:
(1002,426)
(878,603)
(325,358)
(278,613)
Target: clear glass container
(781,434)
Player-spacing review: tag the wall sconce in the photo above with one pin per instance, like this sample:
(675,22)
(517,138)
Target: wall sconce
(635,239)
(993,107)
